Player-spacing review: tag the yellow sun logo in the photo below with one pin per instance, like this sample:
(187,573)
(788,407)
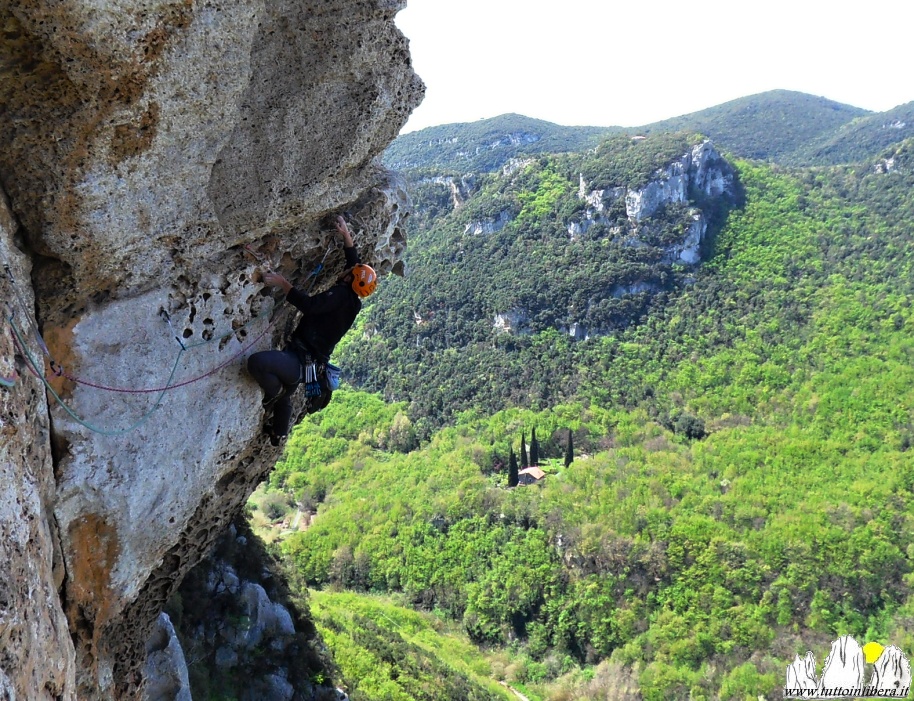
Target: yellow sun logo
(872,651)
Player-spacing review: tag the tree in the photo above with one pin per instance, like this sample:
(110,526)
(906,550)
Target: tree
(689,426)
(534,448)
(402,436)
(523,450)
(569,449)
(512,469)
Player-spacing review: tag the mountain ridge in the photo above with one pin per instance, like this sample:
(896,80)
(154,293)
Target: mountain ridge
(482,144)
(783,126)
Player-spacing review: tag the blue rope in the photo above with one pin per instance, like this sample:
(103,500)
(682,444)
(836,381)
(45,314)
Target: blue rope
(319,268)
(105,432)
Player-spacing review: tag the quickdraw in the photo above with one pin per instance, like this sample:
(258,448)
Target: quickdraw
(164,314)
(312,386)
(320,266)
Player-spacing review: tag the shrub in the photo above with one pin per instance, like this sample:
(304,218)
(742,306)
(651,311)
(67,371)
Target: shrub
(275,506)
(689,426)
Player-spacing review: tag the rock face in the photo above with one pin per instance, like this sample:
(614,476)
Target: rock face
(484,227)
(143,144)
(36,653)
(513,321)
(251,638)
(702,170)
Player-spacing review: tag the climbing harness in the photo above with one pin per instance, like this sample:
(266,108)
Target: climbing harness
(319,377)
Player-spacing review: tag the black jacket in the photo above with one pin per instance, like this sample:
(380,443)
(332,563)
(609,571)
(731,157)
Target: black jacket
(326,317)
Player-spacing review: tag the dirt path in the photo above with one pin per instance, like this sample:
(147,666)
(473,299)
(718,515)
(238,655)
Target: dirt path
(515,692)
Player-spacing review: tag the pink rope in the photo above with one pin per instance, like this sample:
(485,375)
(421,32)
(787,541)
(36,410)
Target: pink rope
(168,387)
(28,358)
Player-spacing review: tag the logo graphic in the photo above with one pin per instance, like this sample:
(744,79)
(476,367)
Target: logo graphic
(844,671)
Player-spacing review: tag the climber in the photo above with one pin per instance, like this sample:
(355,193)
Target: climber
(326,317)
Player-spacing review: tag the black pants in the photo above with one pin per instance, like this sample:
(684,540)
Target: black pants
(277,372)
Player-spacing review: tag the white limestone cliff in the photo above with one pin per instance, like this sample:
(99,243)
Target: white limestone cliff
(488,225)
(702,170)
(514,321)
(146,143)
(699,176)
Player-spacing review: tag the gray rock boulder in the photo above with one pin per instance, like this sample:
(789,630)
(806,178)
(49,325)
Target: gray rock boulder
(166,670)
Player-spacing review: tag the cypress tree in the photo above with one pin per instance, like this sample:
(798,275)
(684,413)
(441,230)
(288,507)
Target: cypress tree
(512,469)
(523,450)
(534,448)
(569,450)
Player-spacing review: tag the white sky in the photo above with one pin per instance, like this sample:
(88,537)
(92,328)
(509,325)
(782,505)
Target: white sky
(611,63)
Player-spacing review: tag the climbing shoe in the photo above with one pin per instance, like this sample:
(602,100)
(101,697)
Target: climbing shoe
(275,438)
(269,402)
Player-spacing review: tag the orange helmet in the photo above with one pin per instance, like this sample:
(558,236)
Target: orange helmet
(364,280)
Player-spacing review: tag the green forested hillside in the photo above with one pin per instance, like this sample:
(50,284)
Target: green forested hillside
(386,651)
(770,126)
(437,337)
(743,480)
(858,139)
